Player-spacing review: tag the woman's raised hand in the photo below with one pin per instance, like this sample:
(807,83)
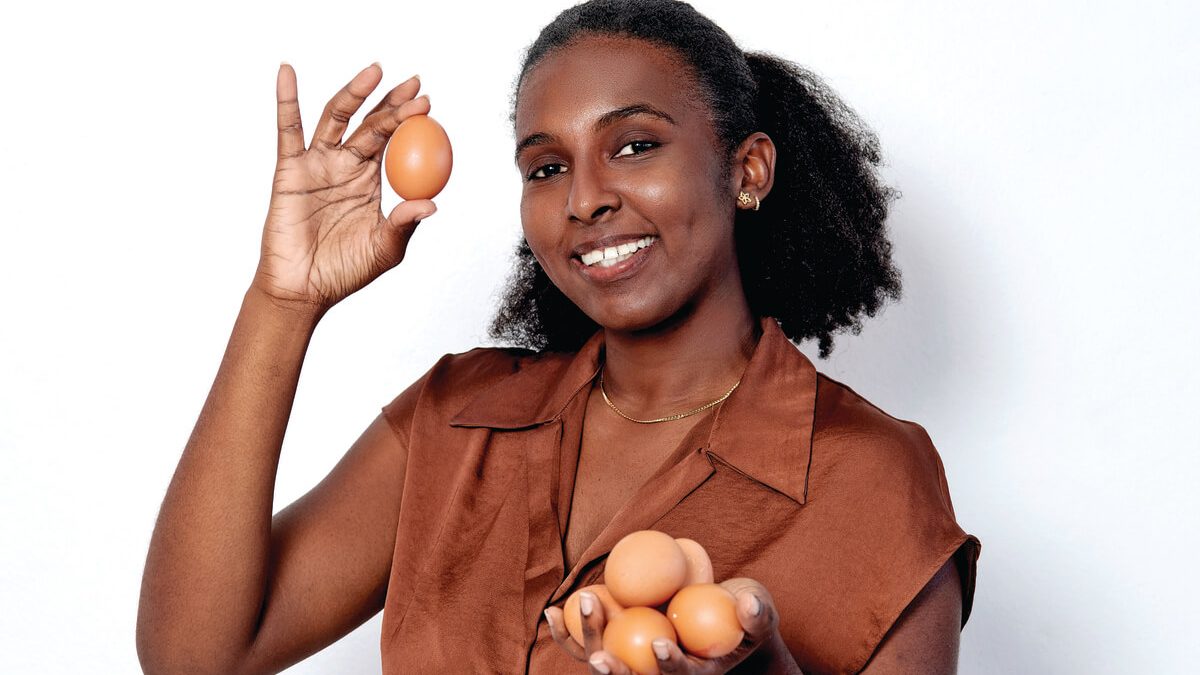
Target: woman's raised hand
(756,611)
(325,236)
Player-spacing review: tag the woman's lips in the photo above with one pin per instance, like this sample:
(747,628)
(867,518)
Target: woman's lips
(622,270)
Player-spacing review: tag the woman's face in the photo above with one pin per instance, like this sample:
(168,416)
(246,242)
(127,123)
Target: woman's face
(615,149)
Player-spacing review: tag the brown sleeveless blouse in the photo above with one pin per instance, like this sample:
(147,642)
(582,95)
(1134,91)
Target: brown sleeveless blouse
(841,510)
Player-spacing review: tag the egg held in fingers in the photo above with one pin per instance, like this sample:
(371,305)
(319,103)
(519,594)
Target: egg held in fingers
(418,159)
(574,620)
(630,634)
(705,619)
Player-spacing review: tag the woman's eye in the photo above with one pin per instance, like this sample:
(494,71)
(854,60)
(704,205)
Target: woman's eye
(645,144)
(541,171)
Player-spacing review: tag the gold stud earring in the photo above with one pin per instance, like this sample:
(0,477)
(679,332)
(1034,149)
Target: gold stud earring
(744,199)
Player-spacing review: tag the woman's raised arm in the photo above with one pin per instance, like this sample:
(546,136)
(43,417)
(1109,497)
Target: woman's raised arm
(226,588)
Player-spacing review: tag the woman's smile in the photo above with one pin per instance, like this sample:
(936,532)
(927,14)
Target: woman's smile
(604,264)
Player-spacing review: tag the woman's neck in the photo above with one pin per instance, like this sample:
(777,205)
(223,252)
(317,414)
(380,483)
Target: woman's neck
(682,364)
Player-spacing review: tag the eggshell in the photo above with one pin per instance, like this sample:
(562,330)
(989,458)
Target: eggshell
(700,570)
(705,618)
(574,619)
(645,569)
(418,158)
(629,634)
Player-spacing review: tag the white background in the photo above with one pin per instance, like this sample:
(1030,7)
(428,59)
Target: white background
(1048,236)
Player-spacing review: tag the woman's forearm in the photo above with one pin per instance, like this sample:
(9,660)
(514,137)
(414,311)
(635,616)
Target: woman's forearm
(205,573)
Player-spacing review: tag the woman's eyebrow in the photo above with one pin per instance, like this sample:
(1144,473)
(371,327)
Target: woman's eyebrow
(608,118)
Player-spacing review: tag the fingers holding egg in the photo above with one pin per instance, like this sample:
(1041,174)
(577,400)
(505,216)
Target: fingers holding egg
(755,607)
(558,630)
(369,141)
(573,617)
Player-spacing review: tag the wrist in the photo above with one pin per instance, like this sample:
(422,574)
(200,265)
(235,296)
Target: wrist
(262,302)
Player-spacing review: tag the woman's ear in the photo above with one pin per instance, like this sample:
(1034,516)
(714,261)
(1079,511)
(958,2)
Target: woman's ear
(756,160)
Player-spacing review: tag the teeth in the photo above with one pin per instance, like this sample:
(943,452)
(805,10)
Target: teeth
(609,262)
(612,255)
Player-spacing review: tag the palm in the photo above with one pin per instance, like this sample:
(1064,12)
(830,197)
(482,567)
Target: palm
(322,217)
(325,236)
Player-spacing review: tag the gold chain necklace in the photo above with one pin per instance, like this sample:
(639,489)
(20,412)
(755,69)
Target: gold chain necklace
(668,418)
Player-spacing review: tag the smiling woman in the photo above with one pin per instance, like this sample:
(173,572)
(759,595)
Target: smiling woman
(689,210)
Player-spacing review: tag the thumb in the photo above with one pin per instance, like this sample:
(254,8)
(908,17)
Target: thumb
(403,221)
(408,213)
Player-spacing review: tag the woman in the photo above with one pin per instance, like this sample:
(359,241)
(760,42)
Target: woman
(687,208)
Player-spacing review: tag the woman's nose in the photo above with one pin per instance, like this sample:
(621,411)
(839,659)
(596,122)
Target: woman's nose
(591,194)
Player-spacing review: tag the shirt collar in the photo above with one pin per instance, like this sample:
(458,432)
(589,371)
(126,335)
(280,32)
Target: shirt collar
(763,430)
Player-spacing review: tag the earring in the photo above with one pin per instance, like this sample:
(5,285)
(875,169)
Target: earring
(744,199)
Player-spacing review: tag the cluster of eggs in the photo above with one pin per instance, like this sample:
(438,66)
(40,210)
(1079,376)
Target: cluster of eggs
(654,587)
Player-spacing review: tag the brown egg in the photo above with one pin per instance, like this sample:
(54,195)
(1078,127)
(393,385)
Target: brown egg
(645,569)
(705,618)
(574,619)
(699,566)
(418,158)
(629,634)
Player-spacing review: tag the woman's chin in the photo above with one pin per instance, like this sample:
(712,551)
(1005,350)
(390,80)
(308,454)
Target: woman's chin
(626,318)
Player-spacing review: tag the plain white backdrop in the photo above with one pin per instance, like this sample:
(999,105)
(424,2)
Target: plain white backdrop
(1047,234)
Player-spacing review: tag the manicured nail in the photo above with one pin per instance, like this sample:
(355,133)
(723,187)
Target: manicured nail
(585,604)
(660,649)
(756,608)
(599,664)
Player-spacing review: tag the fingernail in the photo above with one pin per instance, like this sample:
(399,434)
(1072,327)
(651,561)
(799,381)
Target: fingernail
(585,604)
(756,608)
(599,664)
(546,613)
(660,650)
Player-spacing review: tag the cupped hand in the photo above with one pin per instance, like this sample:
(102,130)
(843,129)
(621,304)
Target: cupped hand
(325,236)
(755,611)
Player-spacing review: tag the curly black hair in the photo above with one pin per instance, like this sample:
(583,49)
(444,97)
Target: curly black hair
(816,256)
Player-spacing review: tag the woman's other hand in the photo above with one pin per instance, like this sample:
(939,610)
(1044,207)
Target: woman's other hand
(325,236)
(756,611)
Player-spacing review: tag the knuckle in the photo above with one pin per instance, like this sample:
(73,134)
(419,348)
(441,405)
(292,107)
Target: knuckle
(339,115)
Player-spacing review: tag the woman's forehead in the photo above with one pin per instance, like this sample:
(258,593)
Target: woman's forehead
(576,84)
